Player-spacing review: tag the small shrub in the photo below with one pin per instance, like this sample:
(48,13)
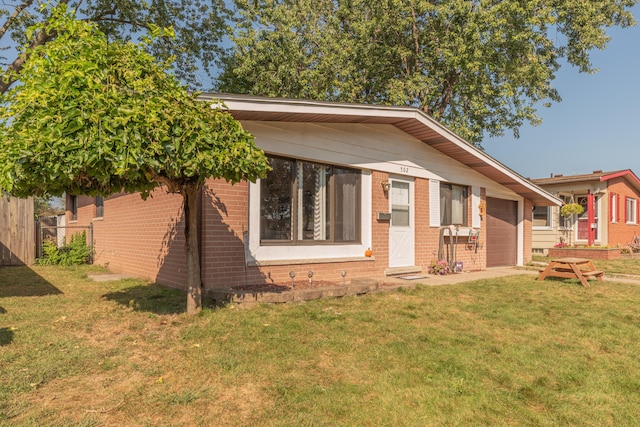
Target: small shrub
(439,267)
(73,253)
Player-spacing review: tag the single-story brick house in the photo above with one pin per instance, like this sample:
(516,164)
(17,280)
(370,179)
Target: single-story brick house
(345,178)
(611,214)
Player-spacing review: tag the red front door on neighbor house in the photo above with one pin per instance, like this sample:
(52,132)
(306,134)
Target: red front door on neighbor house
(583,219)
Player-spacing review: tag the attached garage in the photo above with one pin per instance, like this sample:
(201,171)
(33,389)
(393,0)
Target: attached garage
(502,232)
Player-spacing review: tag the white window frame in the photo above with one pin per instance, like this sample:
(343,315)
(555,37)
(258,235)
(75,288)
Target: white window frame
(258,254)
(631,207)
(549,225)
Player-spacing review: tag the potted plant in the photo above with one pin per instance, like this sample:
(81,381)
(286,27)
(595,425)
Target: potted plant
(570,209)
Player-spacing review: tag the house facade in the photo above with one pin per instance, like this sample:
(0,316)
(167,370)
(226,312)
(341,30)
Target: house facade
(611,210)
(355,191)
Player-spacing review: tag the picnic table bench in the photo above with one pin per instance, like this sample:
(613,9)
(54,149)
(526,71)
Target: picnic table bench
(572,268)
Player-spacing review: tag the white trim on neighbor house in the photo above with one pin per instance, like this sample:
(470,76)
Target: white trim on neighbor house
(631,210)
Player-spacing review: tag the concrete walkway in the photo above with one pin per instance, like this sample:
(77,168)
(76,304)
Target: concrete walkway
(108,277)
(450,279)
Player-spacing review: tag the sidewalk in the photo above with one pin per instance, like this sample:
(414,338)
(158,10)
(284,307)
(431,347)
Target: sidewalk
(490,273)
(450,279)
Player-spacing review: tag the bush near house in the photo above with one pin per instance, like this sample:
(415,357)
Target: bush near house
(73,253)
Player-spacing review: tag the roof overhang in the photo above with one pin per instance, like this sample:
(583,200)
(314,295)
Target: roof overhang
(408,119)
(627,174)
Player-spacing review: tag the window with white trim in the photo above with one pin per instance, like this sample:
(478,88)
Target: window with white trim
(304,202)
(613,208)
(542,217)
(454,201)
(631,211)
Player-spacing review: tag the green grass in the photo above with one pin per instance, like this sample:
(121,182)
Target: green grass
(509,351)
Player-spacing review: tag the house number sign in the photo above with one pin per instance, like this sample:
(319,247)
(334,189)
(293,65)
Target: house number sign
(404,169)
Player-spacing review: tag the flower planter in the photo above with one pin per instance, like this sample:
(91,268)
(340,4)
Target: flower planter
(591,253)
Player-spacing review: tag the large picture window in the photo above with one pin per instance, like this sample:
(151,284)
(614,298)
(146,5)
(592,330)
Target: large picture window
(309,202)
(453,204)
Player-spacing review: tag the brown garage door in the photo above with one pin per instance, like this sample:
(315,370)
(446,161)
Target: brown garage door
(502,232)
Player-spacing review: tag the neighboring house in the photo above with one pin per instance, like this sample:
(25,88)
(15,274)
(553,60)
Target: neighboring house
(611,210)
(345,178)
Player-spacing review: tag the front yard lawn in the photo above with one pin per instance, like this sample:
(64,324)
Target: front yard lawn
(508,351)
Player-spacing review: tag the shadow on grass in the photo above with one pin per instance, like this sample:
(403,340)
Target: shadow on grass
(6,336)
(24,282)
(151,298)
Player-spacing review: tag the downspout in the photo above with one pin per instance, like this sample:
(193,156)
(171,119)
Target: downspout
(591,218)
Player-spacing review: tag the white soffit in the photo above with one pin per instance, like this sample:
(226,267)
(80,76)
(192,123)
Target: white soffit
(410,120)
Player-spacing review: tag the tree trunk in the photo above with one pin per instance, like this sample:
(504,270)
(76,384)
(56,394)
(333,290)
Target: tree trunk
(190,194)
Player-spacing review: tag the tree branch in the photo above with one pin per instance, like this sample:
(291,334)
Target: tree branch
(13,17)
(10,75)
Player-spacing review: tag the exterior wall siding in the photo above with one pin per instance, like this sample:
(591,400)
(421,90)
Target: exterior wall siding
(142,238)
(145,238)
(610,233)
(620,233)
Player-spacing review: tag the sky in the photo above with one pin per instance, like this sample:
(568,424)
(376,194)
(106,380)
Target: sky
(595,127)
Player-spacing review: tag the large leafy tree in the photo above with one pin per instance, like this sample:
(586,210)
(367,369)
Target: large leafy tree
(478,66)
(93,116)
(199,27)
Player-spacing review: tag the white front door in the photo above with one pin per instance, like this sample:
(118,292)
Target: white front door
(401,229)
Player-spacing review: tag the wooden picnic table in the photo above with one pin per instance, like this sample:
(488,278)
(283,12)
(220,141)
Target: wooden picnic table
(572,268)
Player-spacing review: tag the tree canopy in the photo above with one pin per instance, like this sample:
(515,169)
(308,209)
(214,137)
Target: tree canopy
(479,66)
(199,27)
(93,116)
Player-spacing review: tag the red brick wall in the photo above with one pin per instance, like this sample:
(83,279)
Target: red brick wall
(620,233)
(146,238)
(589,253)
(224,221)
(143,238)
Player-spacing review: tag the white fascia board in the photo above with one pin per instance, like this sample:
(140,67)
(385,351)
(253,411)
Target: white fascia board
(280,105)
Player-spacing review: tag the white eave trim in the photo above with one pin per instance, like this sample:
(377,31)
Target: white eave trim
(301,106)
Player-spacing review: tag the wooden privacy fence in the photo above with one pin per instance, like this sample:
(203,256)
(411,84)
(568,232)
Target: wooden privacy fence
(17,231)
